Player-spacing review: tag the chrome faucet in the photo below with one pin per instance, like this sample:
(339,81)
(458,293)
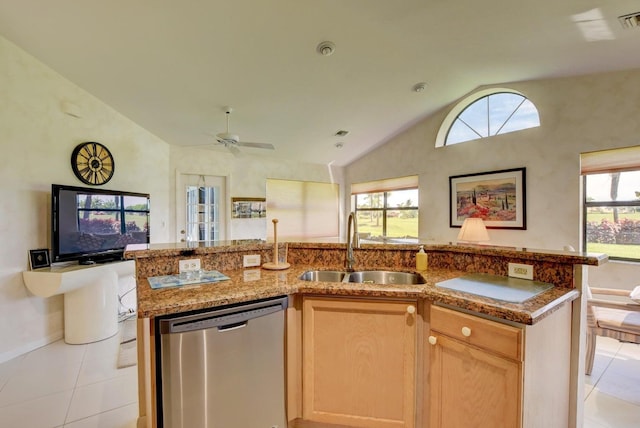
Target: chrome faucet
(352,242)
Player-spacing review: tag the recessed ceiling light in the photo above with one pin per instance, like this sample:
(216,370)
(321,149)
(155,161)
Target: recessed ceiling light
(419,87)
(341,133)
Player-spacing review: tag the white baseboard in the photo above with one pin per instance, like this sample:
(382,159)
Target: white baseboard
(31,346)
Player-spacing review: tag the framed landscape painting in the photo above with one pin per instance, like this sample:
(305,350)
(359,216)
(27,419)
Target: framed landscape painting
(249,208)
(497,197)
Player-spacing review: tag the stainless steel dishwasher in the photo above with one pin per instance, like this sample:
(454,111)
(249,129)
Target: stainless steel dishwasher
(223,368)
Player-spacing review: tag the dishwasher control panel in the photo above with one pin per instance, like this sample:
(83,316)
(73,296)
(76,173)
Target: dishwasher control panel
(223,319)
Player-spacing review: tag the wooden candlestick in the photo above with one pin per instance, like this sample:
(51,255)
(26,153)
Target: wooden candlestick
(275,265)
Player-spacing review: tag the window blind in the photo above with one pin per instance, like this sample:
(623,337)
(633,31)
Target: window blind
(304,209)
(386,185)
(614,160)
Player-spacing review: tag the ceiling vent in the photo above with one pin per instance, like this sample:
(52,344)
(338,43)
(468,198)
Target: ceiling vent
(631,20)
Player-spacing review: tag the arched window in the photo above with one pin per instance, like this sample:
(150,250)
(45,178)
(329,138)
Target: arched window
(485,114)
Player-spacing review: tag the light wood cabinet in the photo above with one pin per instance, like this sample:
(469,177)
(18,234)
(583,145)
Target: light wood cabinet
(473,383)
(487,374)
(359,362)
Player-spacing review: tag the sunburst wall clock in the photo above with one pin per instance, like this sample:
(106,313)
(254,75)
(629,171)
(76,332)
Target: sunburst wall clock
(92,163)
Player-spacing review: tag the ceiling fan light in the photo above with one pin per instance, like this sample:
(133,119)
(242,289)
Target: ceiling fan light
(228,137)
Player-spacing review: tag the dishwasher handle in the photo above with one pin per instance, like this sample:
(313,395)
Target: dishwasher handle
(231,327)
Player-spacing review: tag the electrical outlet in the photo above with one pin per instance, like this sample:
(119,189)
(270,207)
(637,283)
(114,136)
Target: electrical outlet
(519,270)
(251,260)
(189,265)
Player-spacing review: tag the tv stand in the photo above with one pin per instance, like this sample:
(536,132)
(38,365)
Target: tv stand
(90,296)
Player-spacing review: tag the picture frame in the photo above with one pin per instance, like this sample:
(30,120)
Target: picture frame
(39,258)
(248,208)
(498,197)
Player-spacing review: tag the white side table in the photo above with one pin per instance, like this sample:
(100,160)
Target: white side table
(90,296)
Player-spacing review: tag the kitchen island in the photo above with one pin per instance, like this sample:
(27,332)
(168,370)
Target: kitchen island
(563,270)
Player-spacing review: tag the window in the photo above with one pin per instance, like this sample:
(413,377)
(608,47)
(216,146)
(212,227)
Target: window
(485,114)
(202,214)
(202,211)
(612,203)
(387,210)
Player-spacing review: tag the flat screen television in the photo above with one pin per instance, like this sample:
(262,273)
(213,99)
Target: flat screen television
(93,225)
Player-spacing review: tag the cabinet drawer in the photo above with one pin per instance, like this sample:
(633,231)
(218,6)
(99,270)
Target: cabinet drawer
(493,336)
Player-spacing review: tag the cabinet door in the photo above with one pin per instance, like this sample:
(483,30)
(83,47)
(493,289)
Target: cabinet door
(471,387)
(359,362)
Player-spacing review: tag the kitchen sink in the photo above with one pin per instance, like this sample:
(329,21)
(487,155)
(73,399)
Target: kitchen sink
(324,275)
(386,277)
(363,277)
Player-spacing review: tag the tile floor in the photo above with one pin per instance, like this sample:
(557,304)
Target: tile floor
(612,392)
(71,386)
(79,386)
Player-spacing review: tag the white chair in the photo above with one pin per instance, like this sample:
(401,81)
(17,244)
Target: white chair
(618,319)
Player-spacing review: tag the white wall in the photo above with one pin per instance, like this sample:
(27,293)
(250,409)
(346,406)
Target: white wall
(577,115)
(36,139)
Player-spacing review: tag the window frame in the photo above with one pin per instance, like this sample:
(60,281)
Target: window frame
(385,208)
(608,204)
(201,206)
(460,107)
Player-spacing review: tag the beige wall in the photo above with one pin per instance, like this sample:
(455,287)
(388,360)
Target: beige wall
(37,138)
(577,115)
(247,178)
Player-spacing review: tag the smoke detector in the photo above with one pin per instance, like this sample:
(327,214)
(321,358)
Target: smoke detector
(326,48)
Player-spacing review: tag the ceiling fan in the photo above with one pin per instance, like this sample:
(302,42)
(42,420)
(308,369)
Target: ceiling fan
(232,141)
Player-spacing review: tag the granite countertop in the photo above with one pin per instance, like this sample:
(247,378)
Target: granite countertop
(254,283)
(135,251)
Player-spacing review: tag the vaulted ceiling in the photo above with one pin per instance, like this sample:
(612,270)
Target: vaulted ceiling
(172,66)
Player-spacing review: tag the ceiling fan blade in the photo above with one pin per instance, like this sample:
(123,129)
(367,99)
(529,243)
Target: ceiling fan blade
(256,145)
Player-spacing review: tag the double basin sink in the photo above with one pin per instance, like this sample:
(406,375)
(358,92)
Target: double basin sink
(363,277)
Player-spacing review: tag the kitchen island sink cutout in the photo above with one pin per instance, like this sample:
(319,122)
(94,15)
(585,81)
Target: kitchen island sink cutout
(383,277)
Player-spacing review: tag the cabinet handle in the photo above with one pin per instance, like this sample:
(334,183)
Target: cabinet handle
(433,340)
(411,309)
(466,331)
